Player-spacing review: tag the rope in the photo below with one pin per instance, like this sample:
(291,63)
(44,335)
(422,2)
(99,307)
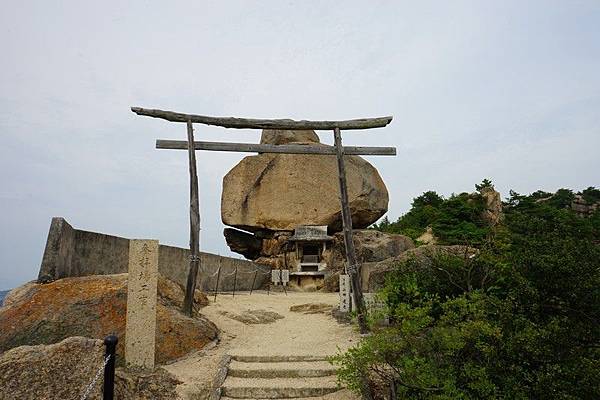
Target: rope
(225,276)
(254,271)
(214,274)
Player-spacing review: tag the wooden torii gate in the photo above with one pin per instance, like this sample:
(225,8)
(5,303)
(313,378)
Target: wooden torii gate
(353,267)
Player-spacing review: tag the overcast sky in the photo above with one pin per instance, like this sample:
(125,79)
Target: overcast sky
(508,90)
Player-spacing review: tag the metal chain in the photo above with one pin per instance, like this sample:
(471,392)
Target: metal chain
(93,382)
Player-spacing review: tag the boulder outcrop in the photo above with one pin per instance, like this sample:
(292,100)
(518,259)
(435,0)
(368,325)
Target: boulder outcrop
(493,205)
(58,371)
(374,274)
(372,245)
(94,307)
(582,207)
(278,192)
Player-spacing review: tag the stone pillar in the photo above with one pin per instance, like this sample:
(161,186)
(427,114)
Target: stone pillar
(345,305)
(140,330)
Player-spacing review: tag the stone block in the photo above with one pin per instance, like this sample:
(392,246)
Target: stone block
(140,331)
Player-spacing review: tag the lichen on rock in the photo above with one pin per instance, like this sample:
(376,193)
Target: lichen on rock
(94,307)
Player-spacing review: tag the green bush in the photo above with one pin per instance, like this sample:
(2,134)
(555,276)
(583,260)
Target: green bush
(520,320)
(456,220)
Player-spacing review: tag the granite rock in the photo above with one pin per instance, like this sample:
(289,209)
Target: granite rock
(278,192)
(94,307)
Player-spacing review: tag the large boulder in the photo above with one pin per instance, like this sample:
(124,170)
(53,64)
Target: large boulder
(374,274)
(59,371)
(372,245)
(64,370)
(277,192)
(94,307)
(243,243)
(276,136)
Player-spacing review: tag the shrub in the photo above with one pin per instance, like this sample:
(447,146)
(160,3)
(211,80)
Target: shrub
(519,320)
(456,220)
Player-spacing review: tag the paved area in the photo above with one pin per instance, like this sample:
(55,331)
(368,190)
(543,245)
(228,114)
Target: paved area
(260,328)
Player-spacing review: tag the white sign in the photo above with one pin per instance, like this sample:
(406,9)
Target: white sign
(275,276)
(285,276)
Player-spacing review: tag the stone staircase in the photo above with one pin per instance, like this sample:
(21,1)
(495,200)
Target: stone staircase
(278,377)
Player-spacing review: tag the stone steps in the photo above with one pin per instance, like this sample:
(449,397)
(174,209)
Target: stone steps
(332,396)
(279,377)
(280,388)
(277,358)
(302,369)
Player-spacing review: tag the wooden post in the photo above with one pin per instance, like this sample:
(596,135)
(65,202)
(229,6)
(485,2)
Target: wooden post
(194,225)
(353,267)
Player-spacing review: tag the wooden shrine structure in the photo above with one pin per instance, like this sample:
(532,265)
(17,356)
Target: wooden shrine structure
(352,267)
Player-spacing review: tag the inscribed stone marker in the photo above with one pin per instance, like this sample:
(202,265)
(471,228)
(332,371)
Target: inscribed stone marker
(140,331)
(344,293)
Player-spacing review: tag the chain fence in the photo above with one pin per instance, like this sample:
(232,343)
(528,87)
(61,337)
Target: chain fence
(91,385)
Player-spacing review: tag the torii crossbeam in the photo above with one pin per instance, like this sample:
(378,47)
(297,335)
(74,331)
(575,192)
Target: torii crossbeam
(353,267)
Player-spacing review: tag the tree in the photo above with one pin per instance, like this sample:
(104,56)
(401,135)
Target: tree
(520,319)
(486,183)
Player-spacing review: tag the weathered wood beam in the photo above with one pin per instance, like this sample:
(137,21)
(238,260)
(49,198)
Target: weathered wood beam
(353,266)
(249,123)
(190,288)
(275,148)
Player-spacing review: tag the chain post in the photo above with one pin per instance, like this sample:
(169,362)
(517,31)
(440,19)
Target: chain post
(109,369)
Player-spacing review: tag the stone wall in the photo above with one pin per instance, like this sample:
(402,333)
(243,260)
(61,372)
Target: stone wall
(72,252)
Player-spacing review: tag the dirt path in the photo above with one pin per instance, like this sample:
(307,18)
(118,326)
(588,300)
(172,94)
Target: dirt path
(263,325)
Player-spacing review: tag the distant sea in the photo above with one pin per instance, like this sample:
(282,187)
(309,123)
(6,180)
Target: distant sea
(3,293)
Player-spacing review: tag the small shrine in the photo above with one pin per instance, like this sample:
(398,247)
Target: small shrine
(309,243)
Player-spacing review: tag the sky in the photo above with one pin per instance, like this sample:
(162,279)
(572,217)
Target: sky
(504,90)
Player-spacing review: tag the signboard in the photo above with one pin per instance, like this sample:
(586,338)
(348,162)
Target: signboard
(285,276)
(275,276)
(280,276)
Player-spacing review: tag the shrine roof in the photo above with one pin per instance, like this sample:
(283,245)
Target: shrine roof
(311,233)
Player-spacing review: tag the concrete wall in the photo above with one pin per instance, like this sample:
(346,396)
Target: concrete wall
(73,252)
